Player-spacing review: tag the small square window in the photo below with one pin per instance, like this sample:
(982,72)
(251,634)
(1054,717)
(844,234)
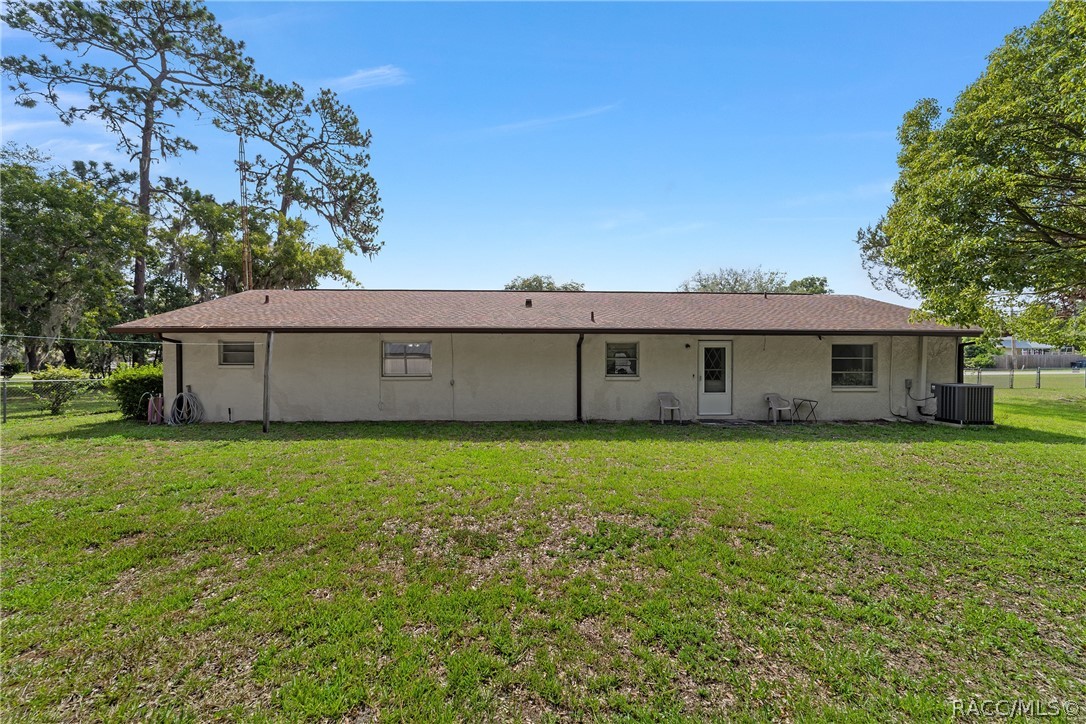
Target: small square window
(622,359)
(853,365)
(407,359)
(236,354)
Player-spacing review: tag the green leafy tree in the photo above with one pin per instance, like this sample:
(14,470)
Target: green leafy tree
(731,280)
(755,280)
(141,64)
(809,285)
(66,244)
(988,221)
(200,256)
(538,283)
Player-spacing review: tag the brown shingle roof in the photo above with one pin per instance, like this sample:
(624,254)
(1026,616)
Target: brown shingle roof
(505,311)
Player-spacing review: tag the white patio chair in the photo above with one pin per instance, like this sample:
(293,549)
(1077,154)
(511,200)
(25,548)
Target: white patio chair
(668,401)
(777,405)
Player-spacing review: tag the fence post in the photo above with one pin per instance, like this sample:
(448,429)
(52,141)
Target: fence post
(4,404)
(1038,378)
(1010,385)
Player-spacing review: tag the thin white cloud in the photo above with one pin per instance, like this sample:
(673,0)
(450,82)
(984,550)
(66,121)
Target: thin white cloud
(66,98)
(803,219)
(674,231)
(873,190)
(366,78)
(253,23)
(679,229)
(65,150)
(858,136)
(613,220)
(879,188)
(9,33)
(551,120)
(22,126)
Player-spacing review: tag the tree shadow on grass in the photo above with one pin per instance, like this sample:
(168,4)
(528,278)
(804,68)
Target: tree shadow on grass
(896,433)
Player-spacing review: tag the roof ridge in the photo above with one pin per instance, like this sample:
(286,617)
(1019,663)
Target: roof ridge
(583,291)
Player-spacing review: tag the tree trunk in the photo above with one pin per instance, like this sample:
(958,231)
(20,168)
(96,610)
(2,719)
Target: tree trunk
(287,200)
(32,360)
(139,274)
(70,358)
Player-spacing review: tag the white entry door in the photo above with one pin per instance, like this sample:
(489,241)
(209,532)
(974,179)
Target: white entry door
(714,378)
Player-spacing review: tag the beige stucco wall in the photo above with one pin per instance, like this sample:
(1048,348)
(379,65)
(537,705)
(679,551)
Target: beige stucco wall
(792,366)
(531,376)
(338,377)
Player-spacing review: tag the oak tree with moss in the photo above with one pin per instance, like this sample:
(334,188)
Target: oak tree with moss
(66,243)
(139,65)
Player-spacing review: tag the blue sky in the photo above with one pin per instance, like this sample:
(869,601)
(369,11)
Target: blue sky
(621,145)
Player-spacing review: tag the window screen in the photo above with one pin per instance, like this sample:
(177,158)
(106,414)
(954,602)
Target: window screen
(236,353)
(621,359)
(853,365)
(407,359)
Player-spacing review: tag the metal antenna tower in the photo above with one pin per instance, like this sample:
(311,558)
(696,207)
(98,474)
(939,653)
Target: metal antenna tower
(247,250)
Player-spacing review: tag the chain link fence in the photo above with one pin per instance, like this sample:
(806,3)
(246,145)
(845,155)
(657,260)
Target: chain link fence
(24,397)
(1045,379)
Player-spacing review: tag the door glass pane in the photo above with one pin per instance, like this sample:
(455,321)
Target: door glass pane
(714,373)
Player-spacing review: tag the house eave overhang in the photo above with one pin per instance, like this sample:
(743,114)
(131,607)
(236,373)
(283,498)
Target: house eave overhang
(910,332)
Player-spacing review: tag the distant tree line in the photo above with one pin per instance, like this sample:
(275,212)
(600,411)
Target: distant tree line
(724,280)
(756,280)
(543,283)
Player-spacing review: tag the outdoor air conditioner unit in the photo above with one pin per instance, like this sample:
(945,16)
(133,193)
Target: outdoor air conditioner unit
(964,404)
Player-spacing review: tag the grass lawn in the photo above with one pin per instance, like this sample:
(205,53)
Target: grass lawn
(551,571)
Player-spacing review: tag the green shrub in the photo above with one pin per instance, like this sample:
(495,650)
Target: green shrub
(55,387)
(10,369)
(129,385)
(981,352)
(981,359)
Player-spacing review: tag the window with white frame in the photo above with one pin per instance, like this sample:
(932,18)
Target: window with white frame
(236,354)
(622,359)
(406,359)
(853,365)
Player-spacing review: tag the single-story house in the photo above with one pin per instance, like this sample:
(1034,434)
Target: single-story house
(1024,347)
(513,355)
